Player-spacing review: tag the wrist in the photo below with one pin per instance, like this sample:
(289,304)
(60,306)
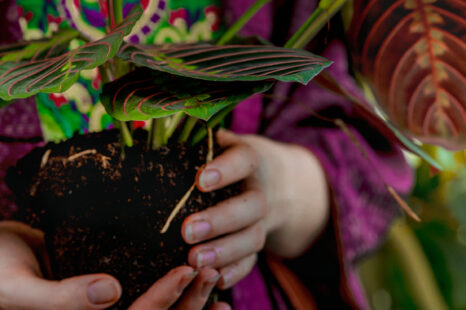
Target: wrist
(303,201)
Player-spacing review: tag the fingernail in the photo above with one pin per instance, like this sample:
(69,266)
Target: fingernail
(103,291)
(226,279)
(205,258)
(186,280)
(209,285)
(196,231)
(209,178)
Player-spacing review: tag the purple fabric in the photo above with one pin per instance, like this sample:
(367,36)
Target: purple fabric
(18,120)
(364,207)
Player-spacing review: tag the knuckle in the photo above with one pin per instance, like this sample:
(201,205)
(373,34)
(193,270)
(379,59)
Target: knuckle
(252,155)
(260,237)
(263,206)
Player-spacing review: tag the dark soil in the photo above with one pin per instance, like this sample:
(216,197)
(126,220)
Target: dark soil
(102,213)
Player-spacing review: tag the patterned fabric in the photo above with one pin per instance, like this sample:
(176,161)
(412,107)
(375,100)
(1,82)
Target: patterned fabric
(164,21)
(363,208)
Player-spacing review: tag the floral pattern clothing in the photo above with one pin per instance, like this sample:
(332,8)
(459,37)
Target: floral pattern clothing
(363,210)
(164,21)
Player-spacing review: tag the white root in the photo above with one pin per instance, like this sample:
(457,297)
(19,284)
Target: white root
(45,158)
(77,155)
(177,209)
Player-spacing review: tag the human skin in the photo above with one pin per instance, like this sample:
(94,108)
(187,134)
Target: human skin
(22,286)
(285,198)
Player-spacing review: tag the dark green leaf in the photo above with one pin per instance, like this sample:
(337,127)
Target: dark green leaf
(228,62)
(145,94)
(39,49)
(53,75)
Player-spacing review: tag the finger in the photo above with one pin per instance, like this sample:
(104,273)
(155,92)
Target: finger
(226,138)
(21,287)
(228,216)
(224,251)
(232,274)
(220,306)
(197,295)
(166,291)
(233,165)
(88,292)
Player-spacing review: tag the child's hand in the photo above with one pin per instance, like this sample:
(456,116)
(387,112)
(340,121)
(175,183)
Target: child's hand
(284,206)
(22,286)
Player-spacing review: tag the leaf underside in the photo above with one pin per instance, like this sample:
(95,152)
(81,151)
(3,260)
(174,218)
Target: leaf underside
(366,111)
(228,63)
(56,74)
(413,53)
(145,94)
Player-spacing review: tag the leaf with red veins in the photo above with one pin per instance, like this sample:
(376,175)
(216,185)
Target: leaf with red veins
(55,74)
(413,53)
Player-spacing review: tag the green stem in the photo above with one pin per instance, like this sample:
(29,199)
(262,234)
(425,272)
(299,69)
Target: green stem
(158,137)
(231,32)
(188,126)
(118,11)
(416,268)
(324,12)
(214,121)
(174,122)
(126,135)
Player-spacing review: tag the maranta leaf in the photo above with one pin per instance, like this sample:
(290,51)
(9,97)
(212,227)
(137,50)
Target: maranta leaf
(38,49)
(56,74)
(413,53)
(145,94)
(228,63)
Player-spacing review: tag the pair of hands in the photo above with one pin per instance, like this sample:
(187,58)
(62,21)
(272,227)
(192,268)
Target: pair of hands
(285,197)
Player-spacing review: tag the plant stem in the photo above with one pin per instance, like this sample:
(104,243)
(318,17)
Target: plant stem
(214,121)
(158,137)
(117,11)
(230,33)
(126,135)
(188,126)
(416,268)
(174,121)
(151,134)
(322,14)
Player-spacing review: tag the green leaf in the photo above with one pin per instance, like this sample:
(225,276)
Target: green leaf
(145,94)
(228,62)
(54,75)
(39,49)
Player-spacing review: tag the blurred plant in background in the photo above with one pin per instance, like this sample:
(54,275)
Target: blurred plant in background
(423,265)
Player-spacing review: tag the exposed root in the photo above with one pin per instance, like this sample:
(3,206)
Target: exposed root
(177,209)
(77,155)
(403,204)
(105,161)
(210,145)
(342,125)
(45,158)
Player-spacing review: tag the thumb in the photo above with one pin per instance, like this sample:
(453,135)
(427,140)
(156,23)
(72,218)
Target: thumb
(87,292)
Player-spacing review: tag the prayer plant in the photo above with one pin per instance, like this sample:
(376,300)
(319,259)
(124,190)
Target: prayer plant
(179,86)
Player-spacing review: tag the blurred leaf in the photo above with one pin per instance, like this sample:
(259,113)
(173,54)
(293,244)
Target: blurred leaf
(53,75)
(326,81)
(145,94)
(447,257)
(228,62)
(456,197)
(414,55)
(39,49)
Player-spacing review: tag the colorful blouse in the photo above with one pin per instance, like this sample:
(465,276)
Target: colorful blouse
(362,211)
